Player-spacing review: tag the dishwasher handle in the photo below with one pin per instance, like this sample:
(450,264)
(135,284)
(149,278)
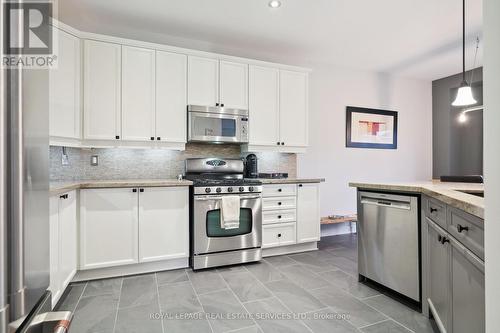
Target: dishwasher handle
(386,203)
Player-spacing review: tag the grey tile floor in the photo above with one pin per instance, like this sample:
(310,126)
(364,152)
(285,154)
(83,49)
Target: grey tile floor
(307,292)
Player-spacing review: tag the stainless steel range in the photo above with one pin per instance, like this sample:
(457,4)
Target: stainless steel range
(214,243)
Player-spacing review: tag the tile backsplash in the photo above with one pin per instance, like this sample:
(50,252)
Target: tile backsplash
(123,163)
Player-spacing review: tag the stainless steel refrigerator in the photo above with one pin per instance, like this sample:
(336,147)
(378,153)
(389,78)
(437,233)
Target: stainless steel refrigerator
(25,303)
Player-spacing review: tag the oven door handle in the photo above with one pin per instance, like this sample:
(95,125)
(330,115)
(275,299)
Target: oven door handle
(208,198)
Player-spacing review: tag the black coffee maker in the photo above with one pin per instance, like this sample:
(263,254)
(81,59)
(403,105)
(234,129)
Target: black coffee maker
(251,166)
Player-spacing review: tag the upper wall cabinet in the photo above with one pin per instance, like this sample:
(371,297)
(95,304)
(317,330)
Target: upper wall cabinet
(171,96)
(102,90)
(293,108)
(64,89)
(278,110)
(233,85)
(203,81)
(138,94)
(264,105)
(214,83)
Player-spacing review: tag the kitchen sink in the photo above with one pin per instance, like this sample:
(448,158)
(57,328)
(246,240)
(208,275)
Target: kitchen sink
(476,193)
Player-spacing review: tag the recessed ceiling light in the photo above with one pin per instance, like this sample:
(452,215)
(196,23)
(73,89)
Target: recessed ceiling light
(274,3)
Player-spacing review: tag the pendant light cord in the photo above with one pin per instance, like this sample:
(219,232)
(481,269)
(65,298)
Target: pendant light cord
(463,41)
(475,57)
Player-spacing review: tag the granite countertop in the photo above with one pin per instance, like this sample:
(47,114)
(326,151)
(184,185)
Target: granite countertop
(290,180)
(59,187)
(449,193)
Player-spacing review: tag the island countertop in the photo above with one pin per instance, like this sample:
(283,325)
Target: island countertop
(458,195)
(60,187)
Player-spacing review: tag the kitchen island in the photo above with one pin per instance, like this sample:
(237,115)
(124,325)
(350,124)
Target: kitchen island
(447,236)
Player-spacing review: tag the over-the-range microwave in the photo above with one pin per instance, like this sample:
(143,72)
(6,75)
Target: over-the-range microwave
(217,124)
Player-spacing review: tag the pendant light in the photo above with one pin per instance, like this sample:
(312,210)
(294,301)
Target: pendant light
(464,94)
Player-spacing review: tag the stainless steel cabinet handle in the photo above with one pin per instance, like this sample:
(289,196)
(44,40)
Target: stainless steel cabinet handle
(208,198)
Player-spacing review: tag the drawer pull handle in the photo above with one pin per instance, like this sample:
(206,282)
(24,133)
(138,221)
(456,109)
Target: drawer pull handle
(461,228)
(439,238)
(279,203)
(279,216)
(64,196)
(279,190)
(279,235)
(444,240)
(433,210)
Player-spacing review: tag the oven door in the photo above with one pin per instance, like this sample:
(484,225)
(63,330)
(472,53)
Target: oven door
(217,127)
(209,237)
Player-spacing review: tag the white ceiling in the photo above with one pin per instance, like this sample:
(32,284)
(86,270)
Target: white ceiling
(413,38)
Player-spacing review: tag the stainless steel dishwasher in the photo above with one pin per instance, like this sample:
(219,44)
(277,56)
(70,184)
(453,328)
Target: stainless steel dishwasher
(388,241)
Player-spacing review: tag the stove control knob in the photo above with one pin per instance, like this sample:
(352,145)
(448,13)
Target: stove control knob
(251,188)
(208,190)
(218,190)
(241,189)
(230,189)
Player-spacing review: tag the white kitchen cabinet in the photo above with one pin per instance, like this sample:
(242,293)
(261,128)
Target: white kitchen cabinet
(171,96)
(108,227)
(281,234)
(163,223)
(264,106)
(64,89)
(217,83)
(55,279)
(203,81)
(308,219)
(293,108)
(233,85)
(138,94)
(68,236)
(102,90)
(63,242)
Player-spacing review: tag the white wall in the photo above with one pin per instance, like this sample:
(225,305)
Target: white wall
(492,161)
(330,91)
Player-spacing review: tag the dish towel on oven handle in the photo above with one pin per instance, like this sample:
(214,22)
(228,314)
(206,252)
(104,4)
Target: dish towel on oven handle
(230,212)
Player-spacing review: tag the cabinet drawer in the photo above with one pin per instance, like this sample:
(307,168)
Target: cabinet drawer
(279,190)
(279,216)
(436,211)
(280,203)
(280,234)
(468,230)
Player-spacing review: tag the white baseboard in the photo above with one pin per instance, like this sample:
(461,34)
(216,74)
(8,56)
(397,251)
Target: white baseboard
(115,271)
(280,250)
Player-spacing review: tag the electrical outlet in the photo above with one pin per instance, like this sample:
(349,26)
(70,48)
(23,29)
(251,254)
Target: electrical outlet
(64,159)
(94,160)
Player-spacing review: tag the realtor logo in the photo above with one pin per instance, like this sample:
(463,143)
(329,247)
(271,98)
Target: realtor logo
(27,34)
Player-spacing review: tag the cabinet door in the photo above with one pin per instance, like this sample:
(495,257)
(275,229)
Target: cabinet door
(203,81)
(102,90)
(171,96)
(67,237)
(64,89)
(263,105)
(138,93)
(163,223)
(293,108)
(108,227)
(438,257)
(467,291)
(55,283)
(233,85)
(308,219)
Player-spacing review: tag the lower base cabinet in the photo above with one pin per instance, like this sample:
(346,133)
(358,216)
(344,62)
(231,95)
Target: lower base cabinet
(438,265)
(290,214)
(455,281)
(120,226)
(63,242)
(468,292)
